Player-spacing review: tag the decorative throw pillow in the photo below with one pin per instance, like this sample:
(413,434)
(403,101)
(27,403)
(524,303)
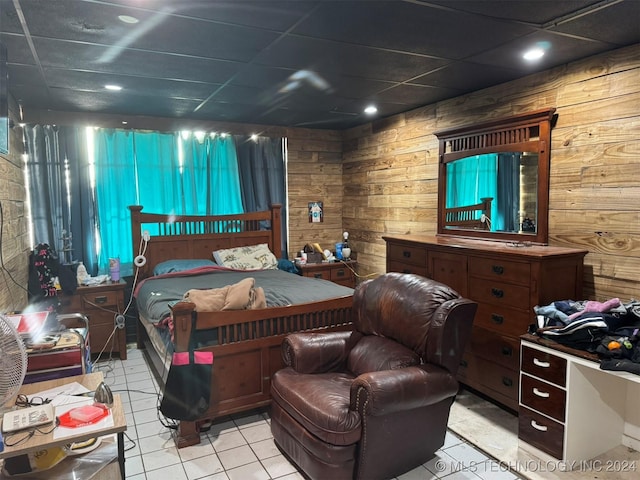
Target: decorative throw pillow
(250,257)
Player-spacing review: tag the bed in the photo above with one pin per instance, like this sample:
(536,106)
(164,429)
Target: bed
(477,216)
(245,343)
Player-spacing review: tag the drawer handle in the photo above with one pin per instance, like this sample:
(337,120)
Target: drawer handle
(498,293)
(100,300)
(406,254)
(464,363)
(497,319)
(540,393)
(497,269)
(507,351)
(540,363)
(507,382)
(537,426)
(317,275)
(340,273)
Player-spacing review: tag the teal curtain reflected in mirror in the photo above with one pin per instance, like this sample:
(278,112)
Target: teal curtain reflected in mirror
(491,175)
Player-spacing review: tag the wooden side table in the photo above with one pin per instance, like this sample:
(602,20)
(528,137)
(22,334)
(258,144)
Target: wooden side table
(100,303)
(44,441)
(336,272)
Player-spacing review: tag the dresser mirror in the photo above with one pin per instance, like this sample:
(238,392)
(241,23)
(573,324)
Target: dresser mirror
(493,180)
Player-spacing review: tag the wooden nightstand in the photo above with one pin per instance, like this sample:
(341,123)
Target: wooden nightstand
(337,272)
(100,304)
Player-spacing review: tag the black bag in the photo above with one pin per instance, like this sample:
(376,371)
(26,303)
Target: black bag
(188,387)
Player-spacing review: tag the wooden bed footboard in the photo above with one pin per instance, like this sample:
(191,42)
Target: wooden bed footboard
(476,216)
(248,351)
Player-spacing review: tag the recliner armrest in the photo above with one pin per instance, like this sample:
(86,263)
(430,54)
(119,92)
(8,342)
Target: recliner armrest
(388,391)
(317,352)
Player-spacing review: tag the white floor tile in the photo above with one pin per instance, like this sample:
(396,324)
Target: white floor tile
(265,449)
(222,426)
(237,457)
(203,466)
(419,473)
(227,441)
(150,429)
(146,415)
(203,449)
(133,465)
(173,472)
(160,459)
(256,433)
(251,471)
(278,466)
(152,444)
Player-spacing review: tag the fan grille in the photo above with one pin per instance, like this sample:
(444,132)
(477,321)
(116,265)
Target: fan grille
(13,360)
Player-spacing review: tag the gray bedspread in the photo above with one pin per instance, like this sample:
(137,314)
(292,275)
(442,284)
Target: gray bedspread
(281,289)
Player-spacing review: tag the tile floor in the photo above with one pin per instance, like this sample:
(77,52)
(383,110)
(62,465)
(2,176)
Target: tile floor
(241,447)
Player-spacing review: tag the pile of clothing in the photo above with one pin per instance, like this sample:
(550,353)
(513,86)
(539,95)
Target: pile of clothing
(611,329)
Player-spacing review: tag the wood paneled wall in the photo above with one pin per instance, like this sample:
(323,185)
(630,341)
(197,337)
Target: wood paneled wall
(390,166)
(15,234)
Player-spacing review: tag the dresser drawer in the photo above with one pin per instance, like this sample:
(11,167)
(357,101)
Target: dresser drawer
(492,376)
(406,268)
(495,348)
(101,299)
(407,254)
(500,269)
(543,365)
(543,397)
(499,293)
(541,432)
(503,320)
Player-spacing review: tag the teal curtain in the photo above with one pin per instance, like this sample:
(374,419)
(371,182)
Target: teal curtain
(472,178)
(165,173)
(114,166)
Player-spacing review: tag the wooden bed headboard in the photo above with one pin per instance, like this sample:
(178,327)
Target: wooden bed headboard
(470,216)
(198,236)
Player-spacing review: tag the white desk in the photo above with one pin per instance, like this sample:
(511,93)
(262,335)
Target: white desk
(570,408)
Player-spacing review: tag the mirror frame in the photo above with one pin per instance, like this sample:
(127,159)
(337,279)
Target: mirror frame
(529,132)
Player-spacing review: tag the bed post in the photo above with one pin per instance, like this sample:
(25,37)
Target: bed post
(276,229)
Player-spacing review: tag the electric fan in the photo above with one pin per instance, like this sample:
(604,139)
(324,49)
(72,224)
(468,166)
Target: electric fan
(13,363)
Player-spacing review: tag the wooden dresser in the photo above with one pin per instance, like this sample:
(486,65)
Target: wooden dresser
(507,281)
(337,272)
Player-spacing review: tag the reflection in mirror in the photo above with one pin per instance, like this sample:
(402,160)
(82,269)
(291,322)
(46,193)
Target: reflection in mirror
(493,179)
(496,192)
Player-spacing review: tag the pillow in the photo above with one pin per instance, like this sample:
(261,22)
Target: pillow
(178,265)
(250,257)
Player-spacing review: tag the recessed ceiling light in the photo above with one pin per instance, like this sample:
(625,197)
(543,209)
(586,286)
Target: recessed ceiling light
(115,88)
(128,19)
(533,54)
(124,122)
(371,110)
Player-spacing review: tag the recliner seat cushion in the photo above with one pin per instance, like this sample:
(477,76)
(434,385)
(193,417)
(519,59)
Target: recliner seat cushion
(374,354)
(320,403)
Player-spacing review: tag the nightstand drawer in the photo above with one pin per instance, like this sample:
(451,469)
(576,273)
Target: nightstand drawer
(323,274)
(340,274)
(543,397)
(541,432)
(544,365)
(101,299)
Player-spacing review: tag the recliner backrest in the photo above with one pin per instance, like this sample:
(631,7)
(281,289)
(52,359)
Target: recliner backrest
(400,307)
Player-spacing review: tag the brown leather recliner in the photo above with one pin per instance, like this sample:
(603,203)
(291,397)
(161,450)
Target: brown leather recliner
(374,402)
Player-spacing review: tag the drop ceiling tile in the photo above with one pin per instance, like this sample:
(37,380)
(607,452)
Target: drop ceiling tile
(326,57)
(467,77)
(560,49)
(18,51)
(617,24)
(80,56)
(415,95)
(410,27)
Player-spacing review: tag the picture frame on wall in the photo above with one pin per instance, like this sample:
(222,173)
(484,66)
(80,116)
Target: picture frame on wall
(316,213)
